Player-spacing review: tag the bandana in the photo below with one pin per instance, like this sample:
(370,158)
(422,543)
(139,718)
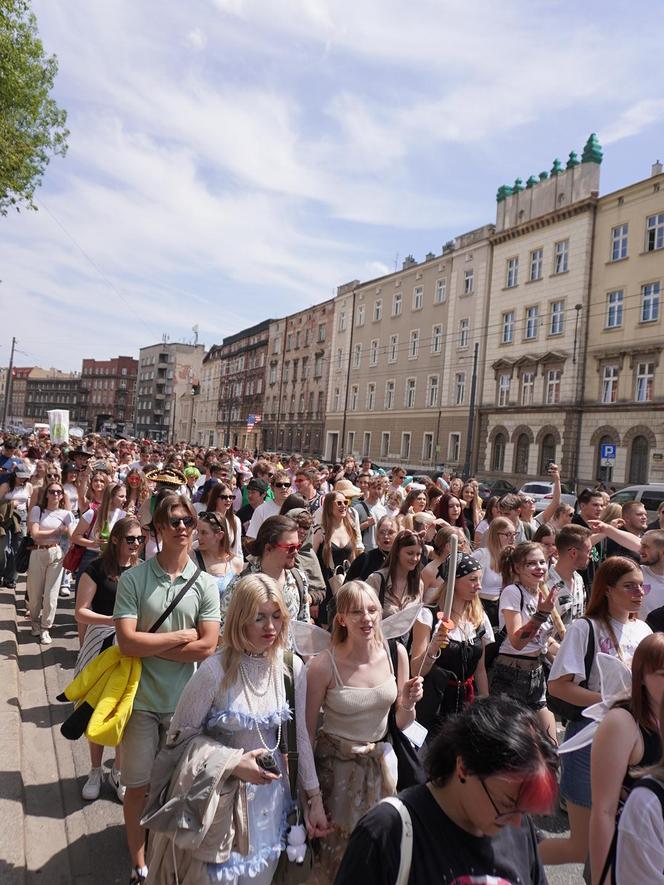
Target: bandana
(465,564)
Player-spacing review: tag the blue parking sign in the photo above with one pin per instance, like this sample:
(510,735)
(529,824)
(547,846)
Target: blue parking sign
(607,455)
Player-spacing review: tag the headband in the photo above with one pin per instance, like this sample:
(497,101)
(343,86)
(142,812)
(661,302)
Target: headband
(465,565)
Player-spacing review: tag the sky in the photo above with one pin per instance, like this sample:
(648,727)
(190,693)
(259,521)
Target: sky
(234,160)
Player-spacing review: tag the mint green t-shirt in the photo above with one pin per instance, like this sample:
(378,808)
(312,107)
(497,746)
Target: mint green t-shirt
(144,593)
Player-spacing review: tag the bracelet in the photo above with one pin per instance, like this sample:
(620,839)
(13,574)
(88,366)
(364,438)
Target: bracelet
(312,796)
(540,617)
(434,657)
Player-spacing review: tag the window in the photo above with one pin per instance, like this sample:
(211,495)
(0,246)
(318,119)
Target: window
(619,242)
(464,330)
(373,352)
(384,444)
(286,371)
(614,309)
(340,356)
(350,448)
(459,388)
(610,384)
(437,339)
(498,452)
(504,382)
(405,445)
(378,310)
(354,395)
(414,344)
(557,319)
(427,447)
(359,318)
(547,452)
(321,333)
(393,349)
(649,302)
(301,403)
(289,341)
(552,395)
(337,400)
(530,332)
(654,234)
(512,272)
(418,298)
(645,373)
(409,398)
(371,397)
(508,327)
(454,447)
(366,444)
(273,373)
(389,395)
(396,305)
(638,461)
(342,321)
(468,281)
(521,454)
(432,391)
(527,388)
(305,368)
(440,292)
(561,256)
(357,356)
(298,337)
(536,264)
(318,366)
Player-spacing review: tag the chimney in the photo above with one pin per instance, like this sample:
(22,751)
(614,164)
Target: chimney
(408,261)
(656,168)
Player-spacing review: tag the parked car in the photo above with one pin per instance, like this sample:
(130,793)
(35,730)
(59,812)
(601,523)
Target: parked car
(650,495)
(495,487)
(541,492)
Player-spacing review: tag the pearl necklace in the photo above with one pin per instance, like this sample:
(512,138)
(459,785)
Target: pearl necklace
(249,689)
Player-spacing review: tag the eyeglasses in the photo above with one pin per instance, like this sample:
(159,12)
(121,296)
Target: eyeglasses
(289,548)
(501,816)
(528,500)
(187,521)
(341,503)
(510,535)
(282,485)
(52,475)
(226,497)
(55,492)
(133,539)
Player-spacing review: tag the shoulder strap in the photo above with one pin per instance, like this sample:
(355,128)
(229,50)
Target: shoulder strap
(199,559)
(291,726)
(394,656)
(162,617)
(381,592)
(590,649)
(406,847)
(297,577)
(649,783)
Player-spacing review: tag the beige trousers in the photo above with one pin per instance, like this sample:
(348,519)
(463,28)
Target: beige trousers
(43,584)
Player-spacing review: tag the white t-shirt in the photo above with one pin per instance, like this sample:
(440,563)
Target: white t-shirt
(640,851)
(261,513)
(113,517)
(653,588)
(492,581)
(51,520)
(461,632)
(570,601)
(510,600)
(72,491)
(481,529)
(569,659)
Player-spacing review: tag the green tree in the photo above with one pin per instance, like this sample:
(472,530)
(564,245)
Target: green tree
(32,126)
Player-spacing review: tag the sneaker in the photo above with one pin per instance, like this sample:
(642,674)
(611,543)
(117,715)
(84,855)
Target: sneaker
(35,630)
(45,638)
(138,876)
(65,592)
(114,781)
(92,786)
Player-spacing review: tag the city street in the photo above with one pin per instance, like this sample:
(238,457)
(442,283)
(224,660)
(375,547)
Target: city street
(49,834)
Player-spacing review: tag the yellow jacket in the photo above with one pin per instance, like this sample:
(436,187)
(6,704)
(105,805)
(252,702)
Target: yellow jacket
(107,686)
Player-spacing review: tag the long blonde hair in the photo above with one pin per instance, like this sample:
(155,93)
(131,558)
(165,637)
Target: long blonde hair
(498,524)
(349,596)
(249,594)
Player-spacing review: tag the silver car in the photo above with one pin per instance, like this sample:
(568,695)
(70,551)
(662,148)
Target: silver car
(652,496)
(541,492)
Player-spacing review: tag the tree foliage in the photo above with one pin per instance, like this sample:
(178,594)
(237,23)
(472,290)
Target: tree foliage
(32,126)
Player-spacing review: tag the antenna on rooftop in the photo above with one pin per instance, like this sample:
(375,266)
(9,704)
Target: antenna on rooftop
(194,329)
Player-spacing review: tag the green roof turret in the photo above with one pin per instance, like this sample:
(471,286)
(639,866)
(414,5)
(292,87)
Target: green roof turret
(592,152)
(557,167)
(573,160)
(532,181)
(543,176)
(518,186)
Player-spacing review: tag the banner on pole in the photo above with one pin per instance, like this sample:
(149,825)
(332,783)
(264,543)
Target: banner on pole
(58,422)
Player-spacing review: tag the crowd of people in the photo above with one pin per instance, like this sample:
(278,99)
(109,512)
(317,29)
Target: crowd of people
(349,673)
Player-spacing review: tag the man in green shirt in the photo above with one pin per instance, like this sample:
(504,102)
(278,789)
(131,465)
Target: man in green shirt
(189,634)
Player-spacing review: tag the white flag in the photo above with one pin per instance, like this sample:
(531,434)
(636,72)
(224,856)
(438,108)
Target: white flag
(58,420)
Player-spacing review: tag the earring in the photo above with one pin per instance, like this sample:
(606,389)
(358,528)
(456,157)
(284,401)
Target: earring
(462,779)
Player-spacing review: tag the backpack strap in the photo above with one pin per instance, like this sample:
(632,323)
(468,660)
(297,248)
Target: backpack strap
(297,577)
(406,847)
(290,745)
(381,592)
(174,602)
(590,650)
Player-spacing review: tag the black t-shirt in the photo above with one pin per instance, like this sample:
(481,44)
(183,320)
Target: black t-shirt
(655,620)
(103,601)
(612,548)
(443,853)
(244,514)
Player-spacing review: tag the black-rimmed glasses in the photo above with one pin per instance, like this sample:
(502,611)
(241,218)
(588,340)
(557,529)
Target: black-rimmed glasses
(501,816)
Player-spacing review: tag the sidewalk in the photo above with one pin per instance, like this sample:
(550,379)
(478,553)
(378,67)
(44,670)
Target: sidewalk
(49,835)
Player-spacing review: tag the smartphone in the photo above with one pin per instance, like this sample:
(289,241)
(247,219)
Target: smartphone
(267,762)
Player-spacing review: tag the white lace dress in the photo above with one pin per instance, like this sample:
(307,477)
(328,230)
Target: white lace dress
(231,719)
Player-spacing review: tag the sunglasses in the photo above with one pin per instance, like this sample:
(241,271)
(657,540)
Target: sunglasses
(187,521)
(55,492)
(341,503)
(282,485)
(133,539)
(226,497)
(289,548)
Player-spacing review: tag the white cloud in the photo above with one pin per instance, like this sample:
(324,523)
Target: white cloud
(633,120)
(196,39)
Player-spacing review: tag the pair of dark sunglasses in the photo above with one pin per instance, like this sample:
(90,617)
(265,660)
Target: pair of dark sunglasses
(133,539)
(187,521)
(282,485)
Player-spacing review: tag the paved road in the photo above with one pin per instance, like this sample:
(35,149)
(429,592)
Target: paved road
(49,835)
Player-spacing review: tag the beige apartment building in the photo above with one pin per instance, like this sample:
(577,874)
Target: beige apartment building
(207,428)
(538,315)
(165,372)
(623,391)
(243,358)
(297,372)
(402,358)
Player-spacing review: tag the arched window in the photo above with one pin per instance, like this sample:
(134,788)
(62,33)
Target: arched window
(547,452)
(603,474)
(522,452)
(638,460)
(498,452)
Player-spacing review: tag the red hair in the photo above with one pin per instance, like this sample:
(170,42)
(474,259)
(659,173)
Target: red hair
(539,791)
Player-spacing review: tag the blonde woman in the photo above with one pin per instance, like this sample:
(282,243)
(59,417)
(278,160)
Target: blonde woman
(431,583)
(213,553)
(355,685)
(337,542)
(238,698)
(94,526)
(500,534)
